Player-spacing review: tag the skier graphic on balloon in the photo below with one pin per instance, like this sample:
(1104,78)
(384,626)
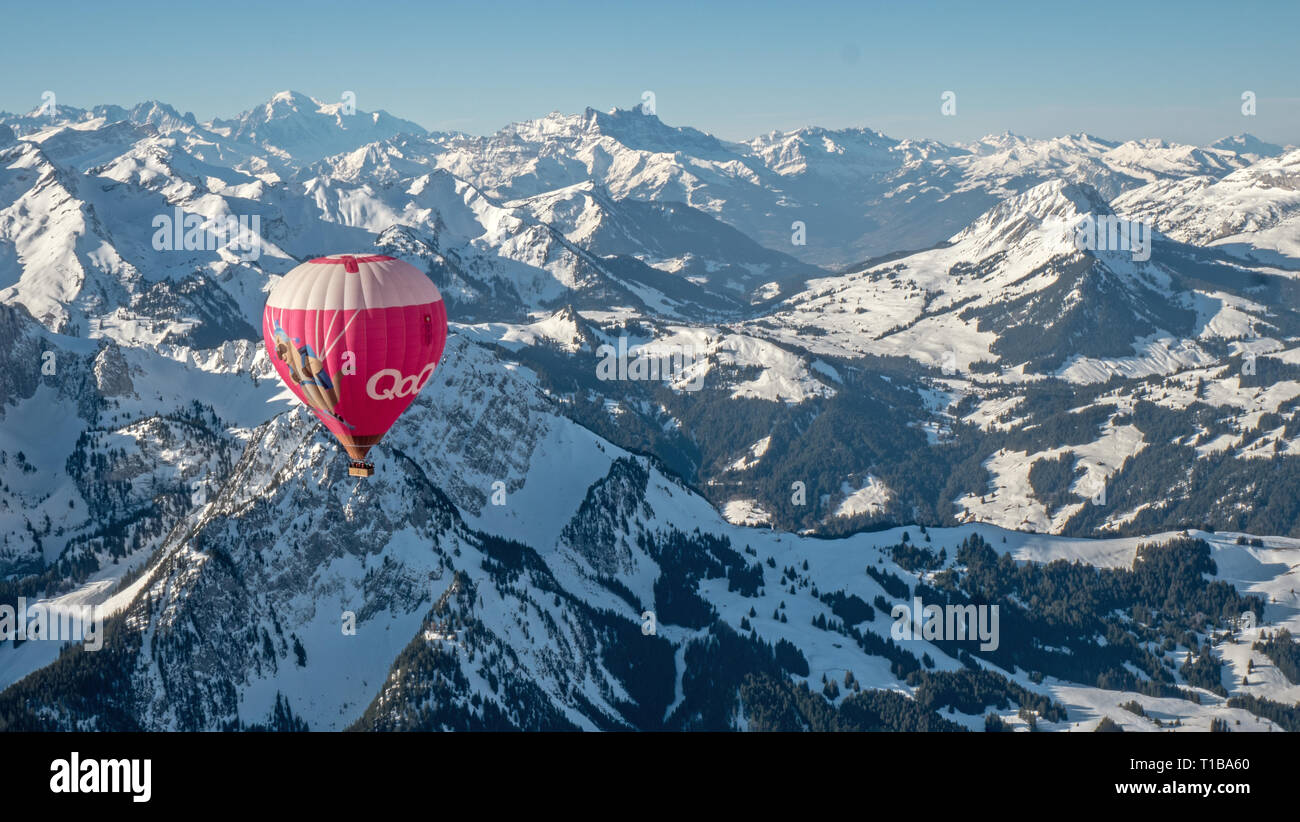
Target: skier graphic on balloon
(308,372)
(355,338)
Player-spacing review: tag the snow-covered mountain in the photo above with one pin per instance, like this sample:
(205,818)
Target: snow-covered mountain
(1248,146)
(237,617)
(302,129)
(1250,213)
(859,193)
(1016,288)
(722,548)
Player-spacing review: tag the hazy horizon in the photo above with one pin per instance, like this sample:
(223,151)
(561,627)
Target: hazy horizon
(733,70)
(738,138)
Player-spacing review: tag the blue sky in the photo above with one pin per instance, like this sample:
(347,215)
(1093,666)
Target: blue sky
(1118,70)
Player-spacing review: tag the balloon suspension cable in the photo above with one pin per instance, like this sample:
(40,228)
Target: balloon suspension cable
(361,468)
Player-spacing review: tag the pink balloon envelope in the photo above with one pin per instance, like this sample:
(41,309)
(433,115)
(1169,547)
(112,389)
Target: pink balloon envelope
(355,337)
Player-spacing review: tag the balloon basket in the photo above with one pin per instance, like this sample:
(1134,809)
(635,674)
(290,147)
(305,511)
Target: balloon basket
(357,468)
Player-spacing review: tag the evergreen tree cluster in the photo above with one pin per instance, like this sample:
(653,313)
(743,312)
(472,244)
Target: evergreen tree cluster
(1284,651)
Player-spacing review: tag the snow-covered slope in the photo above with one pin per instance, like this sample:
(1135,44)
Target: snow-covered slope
(547,547)
(488,632)
(1014,287)
(1250,213)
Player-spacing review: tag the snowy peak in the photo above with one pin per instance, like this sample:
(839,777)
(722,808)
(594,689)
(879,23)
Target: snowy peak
(642,130)
(1070,146)
(384,161)
(862,151)
(1247,145)
(1055,206)
(284,102)
(1251,213)
(1009,162)
(161,116)
(107,113)
(673,248)
(1155,159)
(305,129)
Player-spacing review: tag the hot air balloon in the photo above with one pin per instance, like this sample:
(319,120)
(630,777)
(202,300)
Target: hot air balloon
(355,337)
